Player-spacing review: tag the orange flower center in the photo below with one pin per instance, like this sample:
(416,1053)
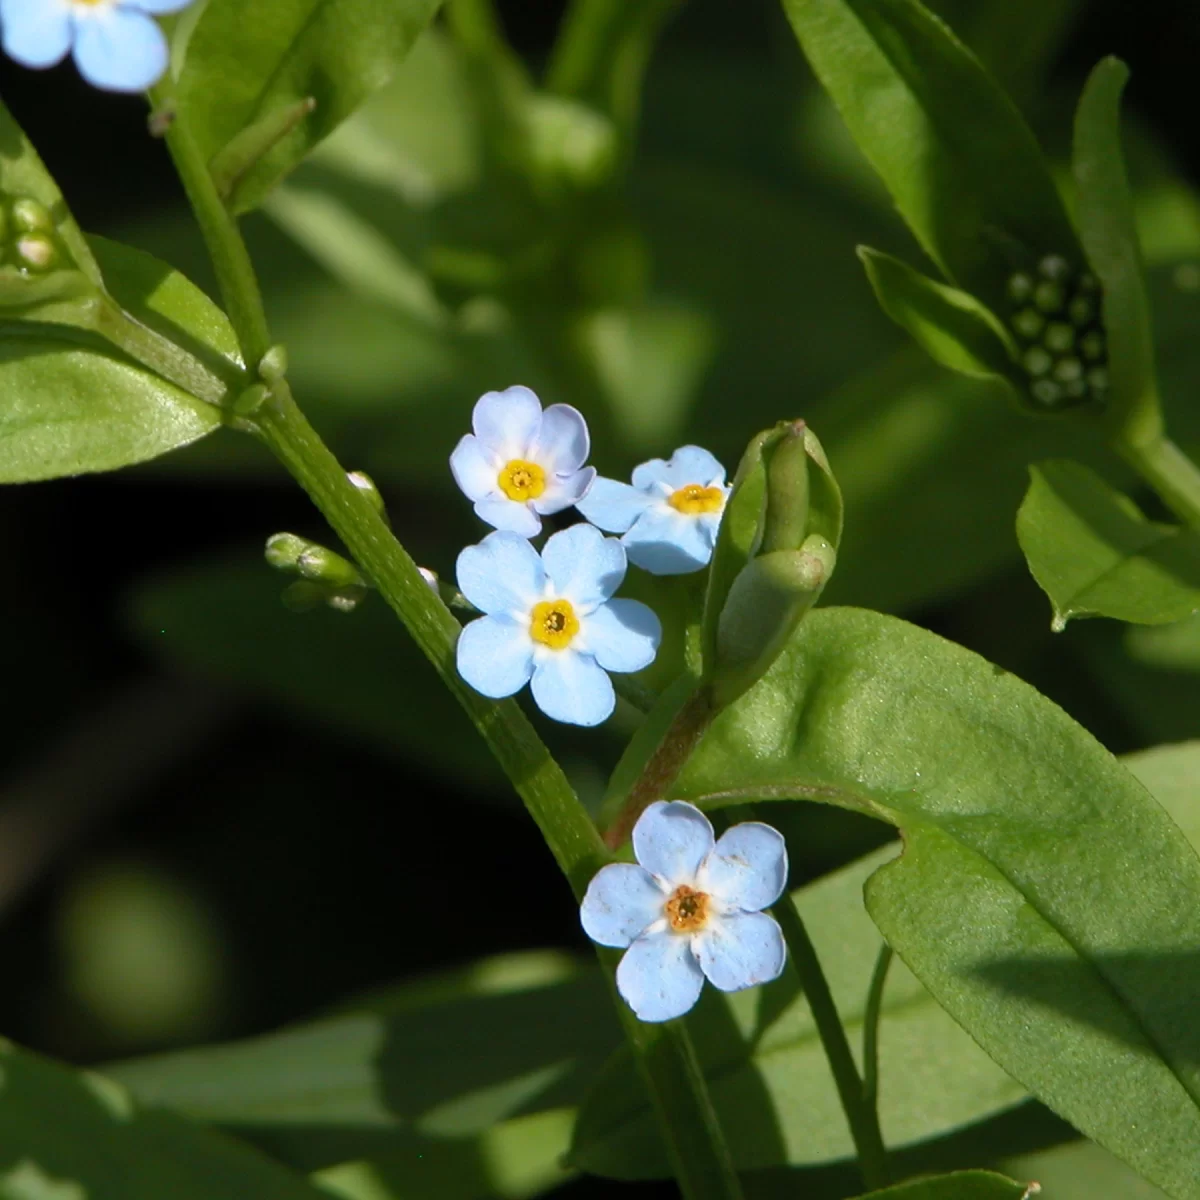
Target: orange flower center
(553,623)
(694,499)
(521,480)
(687,910)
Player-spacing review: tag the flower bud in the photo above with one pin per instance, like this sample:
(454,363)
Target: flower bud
(273,365)
(36,251)
(366,485)
(31,216)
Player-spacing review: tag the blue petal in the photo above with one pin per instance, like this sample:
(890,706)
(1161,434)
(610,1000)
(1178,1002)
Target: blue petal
(741,949)
(748,867)
(509,515)
(495,656)
(570,687)
(507,422)
(614,506)
(36,34)
(665,542)
(475,471)
(120,50)
(623,635)
(621,902)
(672,839)
(584,565)
(562,442)
(502,576)
(564,490)
(689,464)
(156,6)
(659,978)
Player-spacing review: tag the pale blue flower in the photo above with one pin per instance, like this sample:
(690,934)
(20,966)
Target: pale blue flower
(116,44)
(550,618)
(521,463)
(689,909)
(669,517)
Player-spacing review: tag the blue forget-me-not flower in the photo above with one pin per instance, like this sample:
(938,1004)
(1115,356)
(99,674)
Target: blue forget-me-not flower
(550,618)
(689,909)
(116,44)
(522,463)
(669,516)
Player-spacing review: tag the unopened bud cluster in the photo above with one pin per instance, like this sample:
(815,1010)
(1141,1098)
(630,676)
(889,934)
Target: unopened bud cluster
(1056,318)
(28,240)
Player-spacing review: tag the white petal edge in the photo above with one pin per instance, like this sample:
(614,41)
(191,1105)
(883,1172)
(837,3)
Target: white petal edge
(571,688)
(564,490)
(495,656)
(36,34)
(584,566)
(507,422)
(740,950)
(659,978)
(563,442)
(509,516)
(623,635)
(665,542)
(614,506)
(474,469)
(502,575)
(671,840)
(748,867)
(621,902)
(120,50)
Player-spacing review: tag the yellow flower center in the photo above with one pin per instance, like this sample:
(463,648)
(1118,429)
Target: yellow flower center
(521,480)
(694,499)
(553,623)
(687,910)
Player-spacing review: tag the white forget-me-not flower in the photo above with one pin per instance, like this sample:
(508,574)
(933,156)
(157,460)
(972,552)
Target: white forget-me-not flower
(116,44)
(690,908)
(669,517)
(550,618)
(522,463)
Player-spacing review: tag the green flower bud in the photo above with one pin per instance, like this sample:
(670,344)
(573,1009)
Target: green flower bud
(1097,379)
(1076,389)
(36,251)
(1028,323)
(1067,369)
(31,216)
(1092,346)
(366,485)
(1059,337)
(321,564)
(1049,297)
(1037,360)
(1047,393)
(284,549)
(1081,310)
(569,143)
(249,400)
(1020,287)
(1055,268)
(273,365)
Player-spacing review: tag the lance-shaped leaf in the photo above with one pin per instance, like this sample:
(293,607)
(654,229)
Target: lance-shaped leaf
(951,326)
(960,162)
(70,403)
(1106,225)
(74,1135)
(1095,555)
(1043,896)
(240,74)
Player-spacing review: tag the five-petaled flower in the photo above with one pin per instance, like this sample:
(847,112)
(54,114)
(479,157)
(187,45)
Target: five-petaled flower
(669,517)
(522,463)
(116,43)
(551,618)
(690,908)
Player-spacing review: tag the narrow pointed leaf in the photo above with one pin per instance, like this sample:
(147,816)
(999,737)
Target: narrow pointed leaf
(67,1135)
(951,326)
(1095,555)
(960,162)
(961,1185)
(1043,896)
(1106,225)
(239,73)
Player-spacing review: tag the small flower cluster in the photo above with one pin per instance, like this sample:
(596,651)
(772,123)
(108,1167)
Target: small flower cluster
(28,240)
(1056,317)
(116,44)
(550,619)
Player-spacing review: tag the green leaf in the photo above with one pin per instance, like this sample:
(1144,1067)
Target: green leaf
(226,620)
(1172,776)
(238,73)
(75,1135)
(768,1074)
(1172,647)
(70,404)
(951,326)
(23,174)
(417,1070)
(1043,897)
(961,164)
(1082,1171)
(1094,554)
(1106,226)
(961,1185)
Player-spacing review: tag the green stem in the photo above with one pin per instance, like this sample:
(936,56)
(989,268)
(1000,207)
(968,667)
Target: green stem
(1170,473)
(860,1116)
(236,278)
(871,1029)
